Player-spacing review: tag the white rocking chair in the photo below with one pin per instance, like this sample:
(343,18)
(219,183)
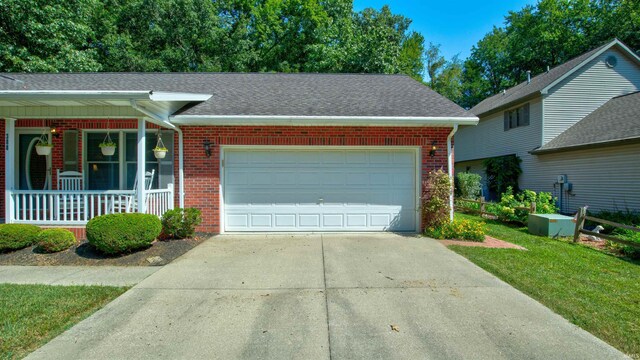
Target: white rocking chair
(131,202)
(70,206)
(70,180)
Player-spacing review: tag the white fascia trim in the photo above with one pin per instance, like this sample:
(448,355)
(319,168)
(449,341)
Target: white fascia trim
(589,59)
(100,95)
(239,120)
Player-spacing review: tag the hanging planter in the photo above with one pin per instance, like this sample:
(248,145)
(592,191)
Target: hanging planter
(107,146)
(160,151)
(43,147)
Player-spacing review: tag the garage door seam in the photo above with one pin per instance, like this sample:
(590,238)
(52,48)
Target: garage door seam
(326,300)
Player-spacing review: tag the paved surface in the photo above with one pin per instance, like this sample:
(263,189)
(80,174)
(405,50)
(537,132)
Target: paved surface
(324,297)
(75,275)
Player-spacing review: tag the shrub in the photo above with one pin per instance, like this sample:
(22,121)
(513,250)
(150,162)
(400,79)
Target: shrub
(468,185)
(626,250)
(459,229)
(502,173)
(435,199)
(17,236)
(122,233)
(180,223)
(54,240)
(506,208)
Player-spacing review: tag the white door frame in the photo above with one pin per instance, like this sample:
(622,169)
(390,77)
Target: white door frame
(418,169)
(16,144)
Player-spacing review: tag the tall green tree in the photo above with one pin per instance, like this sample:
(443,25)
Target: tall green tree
(445,76)
(47,35)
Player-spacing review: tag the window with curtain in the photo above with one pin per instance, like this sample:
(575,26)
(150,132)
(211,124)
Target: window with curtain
(104,172)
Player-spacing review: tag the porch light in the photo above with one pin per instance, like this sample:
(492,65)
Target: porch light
(207,147)
(432,152)
(54,131)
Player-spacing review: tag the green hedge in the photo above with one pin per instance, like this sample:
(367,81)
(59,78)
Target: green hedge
(122,233)
(54,240)
(180,223)
(17,236)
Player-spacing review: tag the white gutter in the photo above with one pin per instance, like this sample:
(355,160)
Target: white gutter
(100,95)
(158,120)
(297,120)
(450,168)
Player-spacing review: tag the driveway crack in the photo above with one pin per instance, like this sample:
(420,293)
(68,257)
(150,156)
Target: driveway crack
(326,300)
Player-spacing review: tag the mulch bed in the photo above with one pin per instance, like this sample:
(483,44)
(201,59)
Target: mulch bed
(84,254)
(489,242)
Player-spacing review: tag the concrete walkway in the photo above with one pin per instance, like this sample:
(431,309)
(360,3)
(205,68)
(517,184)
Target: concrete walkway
(372,296)
(75,275)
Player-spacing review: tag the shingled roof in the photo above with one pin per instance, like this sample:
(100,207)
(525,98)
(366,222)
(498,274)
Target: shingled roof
(540,82)
(267,94)
(618,120)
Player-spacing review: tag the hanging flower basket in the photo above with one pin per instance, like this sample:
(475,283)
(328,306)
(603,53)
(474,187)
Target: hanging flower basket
(107,146)
(160,152)
(43,148)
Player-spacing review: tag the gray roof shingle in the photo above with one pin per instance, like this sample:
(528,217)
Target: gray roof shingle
(266,93)
(616,120)
(537,84)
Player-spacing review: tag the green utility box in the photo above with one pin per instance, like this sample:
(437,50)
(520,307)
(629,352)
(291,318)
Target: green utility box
(551,225)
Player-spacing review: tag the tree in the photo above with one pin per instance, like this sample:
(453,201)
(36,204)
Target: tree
(47,36)
(445,77)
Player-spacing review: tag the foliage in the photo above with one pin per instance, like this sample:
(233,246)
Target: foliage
(506,208)
(445,77)
(626,217)
(34,314)
(160,148)
(122,233)
(594,290)
(502,173)
(435,199)
(468,185)
(459,229)
(17,236)
(548,33)
(54,240)
(107,144)
(180,223)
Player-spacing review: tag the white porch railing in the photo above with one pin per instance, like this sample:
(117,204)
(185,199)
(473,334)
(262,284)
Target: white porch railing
(54,207)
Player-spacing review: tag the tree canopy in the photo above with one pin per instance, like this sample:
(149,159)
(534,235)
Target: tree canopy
(300,36)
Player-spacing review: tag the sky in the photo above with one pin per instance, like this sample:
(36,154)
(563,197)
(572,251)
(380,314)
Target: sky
(456,25)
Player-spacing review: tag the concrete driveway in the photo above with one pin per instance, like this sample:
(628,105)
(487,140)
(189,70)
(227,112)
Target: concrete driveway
(324,297)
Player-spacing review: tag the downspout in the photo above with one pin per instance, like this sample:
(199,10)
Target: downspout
(164,122)
(450,168)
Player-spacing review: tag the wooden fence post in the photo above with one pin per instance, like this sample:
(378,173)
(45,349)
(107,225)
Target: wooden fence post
(481,206)
(582,212)
(532,210)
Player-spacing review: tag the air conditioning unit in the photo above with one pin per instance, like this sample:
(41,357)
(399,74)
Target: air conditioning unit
(561,179)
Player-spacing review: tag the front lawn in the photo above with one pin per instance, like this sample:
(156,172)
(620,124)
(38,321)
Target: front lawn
(31,315)
(596,291)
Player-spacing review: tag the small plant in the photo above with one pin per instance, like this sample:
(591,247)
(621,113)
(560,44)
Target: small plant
(17,236)
(180,223)
(123,233)
(468,185)
(54,240)
(107,144)
(160,149)
(44,143)
(506,208)
(459,230)
(435,199)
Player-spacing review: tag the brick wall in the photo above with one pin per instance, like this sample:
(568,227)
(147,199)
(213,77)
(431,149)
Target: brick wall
(202,173)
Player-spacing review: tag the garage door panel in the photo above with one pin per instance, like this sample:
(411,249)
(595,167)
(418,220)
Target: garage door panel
(281,190)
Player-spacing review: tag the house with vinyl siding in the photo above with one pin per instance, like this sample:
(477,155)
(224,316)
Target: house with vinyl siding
(576,129)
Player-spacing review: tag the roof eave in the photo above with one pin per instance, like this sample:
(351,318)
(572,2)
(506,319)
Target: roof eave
(510,104)
(294,120)
(49,95)
(599,144)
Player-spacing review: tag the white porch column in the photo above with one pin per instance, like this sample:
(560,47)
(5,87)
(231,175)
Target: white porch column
(140,191)
(9,167)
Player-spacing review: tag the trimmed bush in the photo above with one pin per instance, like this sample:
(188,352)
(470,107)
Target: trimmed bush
(123,233)
(17,236)
(54,240)
(459,230)
(435,199)
(180,223)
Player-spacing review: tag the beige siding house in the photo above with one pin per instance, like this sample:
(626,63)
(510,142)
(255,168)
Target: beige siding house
(580,120)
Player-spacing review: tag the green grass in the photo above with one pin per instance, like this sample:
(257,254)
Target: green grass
(596,291)
(31,315)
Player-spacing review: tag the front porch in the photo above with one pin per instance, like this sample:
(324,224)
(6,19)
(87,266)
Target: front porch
(36,192)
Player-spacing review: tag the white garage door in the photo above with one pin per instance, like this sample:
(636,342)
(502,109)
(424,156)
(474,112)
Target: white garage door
(319,190)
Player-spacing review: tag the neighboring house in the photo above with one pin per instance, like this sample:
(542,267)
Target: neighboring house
(253,152)
(578,123)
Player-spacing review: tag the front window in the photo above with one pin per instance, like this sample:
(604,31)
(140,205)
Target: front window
(516,118)
(119,171)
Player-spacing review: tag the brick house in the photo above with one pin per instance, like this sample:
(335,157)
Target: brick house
(253,152)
